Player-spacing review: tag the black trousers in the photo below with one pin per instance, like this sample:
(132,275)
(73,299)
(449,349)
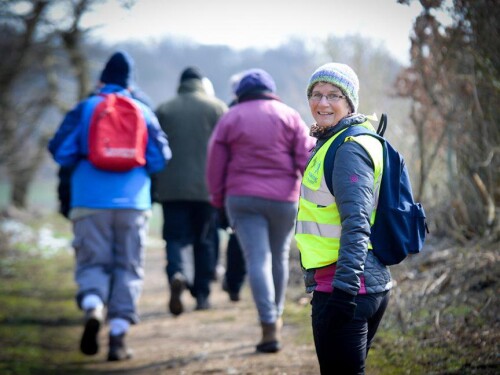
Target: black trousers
(190,223)
(235,266)
(343,350)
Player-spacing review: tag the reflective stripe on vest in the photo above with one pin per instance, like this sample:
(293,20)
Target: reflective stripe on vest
(318,228)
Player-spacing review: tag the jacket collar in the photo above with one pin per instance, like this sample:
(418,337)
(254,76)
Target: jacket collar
(190,86)
(112,88)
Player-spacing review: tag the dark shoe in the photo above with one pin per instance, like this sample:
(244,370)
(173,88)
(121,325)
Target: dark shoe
(233,296)
(268,347)
(202,303)
(89,344)
(270,337)
(118,351)
(177,286)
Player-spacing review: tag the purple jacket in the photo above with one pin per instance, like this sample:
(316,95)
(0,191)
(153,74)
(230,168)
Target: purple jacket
(259,148)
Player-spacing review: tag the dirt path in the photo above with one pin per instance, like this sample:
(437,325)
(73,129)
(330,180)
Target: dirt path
(218,341)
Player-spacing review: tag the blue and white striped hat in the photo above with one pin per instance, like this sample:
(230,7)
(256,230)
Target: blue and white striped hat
(340,75)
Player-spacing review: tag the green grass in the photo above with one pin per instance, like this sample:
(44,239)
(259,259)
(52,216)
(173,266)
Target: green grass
(395,354)
(455,346)
(299,316)
(39,320)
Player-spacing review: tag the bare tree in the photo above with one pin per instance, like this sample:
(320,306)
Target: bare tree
(453,81)
(35,50)
(20,152)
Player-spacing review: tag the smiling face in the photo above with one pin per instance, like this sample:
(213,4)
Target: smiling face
(328,113)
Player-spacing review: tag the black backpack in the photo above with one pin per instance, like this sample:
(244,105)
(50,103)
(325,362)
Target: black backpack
(400,224)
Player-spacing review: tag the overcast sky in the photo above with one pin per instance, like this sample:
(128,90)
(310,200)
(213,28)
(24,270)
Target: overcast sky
(257,23)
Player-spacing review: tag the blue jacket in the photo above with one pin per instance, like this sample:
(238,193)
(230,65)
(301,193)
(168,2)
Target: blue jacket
(98,189)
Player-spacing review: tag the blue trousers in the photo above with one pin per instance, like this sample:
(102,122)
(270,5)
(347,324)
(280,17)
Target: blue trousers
(190,223)
(264,229)
(343,350)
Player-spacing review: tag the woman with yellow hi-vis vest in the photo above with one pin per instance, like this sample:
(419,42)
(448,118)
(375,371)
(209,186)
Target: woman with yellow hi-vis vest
(350,285)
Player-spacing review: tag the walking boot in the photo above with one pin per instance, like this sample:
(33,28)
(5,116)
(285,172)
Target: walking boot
(177,286)
(270,342)
(118,351)
(202,303)
(233,296)
(89,343)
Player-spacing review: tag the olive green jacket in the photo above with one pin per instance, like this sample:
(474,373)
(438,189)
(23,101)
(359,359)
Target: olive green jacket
(188,120)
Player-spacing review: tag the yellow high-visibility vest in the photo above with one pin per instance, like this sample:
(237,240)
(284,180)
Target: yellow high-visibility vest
(318,227)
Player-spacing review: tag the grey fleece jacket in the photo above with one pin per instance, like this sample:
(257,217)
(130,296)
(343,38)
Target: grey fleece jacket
(354,202)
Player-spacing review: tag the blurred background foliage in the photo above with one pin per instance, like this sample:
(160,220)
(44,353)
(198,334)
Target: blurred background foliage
(443,108)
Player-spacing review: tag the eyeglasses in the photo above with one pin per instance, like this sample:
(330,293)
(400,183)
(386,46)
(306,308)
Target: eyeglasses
(331,98)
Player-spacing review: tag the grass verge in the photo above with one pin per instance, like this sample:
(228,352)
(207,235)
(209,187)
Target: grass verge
(39,319)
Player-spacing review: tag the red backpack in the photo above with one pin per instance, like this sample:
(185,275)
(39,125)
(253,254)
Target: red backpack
(118,134)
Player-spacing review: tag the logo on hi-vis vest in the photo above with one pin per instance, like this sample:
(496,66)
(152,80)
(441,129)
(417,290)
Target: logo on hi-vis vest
(312,171)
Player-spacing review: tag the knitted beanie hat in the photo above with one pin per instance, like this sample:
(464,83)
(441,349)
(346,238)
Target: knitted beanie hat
(255,80)
(190,73)
(118,70)
(340,75)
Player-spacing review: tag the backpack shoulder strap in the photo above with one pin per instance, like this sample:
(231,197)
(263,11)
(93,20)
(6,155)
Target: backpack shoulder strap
(352,131)
(382,125)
